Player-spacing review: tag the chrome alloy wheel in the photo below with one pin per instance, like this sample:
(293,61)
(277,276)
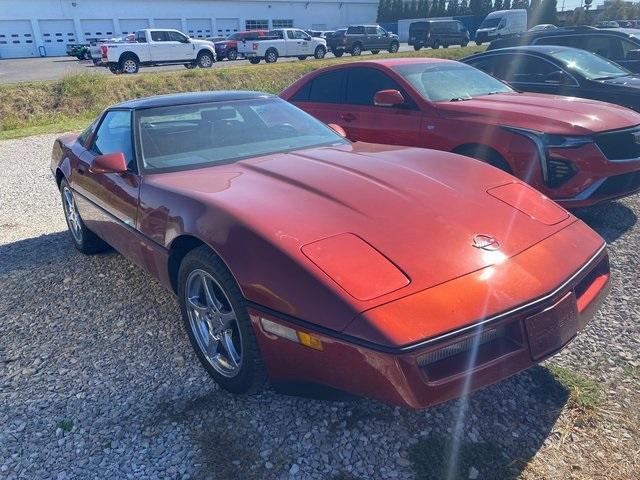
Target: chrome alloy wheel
(205,61)
(214,323)
(71,212)
(129,66)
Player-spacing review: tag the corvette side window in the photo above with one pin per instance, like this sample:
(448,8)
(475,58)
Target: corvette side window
(114,135)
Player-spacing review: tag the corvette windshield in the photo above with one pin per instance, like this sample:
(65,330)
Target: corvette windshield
(182,137)
(448,82)
(591,66)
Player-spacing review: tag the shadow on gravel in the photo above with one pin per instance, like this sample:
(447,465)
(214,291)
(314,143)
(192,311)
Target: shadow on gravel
(107,330)
(611,220)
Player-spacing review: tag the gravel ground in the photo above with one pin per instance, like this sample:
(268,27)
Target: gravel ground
(97,379)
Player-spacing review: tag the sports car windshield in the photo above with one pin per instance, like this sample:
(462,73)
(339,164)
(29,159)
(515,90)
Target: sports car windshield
(450,81)
(589,65)
(191,136)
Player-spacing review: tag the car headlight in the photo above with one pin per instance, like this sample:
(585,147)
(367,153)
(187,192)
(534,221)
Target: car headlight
(544,141)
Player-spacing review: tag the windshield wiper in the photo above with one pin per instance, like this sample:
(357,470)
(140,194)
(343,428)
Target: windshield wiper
(459,99)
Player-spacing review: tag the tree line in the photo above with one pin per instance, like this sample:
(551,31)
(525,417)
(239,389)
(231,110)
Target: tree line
(539,11)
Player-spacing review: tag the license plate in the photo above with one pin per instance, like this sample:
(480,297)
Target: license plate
(552,328)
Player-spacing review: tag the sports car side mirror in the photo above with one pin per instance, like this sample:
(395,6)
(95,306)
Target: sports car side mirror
(338,129)
(109,163)
(388,98)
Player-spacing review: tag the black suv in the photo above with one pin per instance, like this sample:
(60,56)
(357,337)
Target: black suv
(433,33)
(360,38)
(620,45)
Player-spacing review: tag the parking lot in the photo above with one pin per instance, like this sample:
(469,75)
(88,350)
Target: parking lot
(97,379)
(54,68)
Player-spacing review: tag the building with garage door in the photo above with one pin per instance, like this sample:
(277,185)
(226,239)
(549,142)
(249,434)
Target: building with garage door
(44,27)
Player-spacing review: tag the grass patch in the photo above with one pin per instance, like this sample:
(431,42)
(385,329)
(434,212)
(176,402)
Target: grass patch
(431,458)
(66,425)
(72,102)
(584,394)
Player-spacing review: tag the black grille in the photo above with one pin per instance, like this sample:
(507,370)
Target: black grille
(559,171)
(619,184)
(620,144)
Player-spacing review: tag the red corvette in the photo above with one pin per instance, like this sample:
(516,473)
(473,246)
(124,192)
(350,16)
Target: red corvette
(407,275)
(578,152)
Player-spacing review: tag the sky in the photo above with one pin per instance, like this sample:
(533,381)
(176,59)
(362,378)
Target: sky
(571,4)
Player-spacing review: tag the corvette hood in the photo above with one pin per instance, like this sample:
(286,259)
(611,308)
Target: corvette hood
(419,209)
(545,113)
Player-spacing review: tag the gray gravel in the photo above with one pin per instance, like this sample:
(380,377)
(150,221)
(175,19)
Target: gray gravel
(97,379)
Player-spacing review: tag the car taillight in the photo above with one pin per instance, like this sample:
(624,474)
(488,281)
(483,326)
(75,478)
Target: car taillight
(255,46)
(103,51)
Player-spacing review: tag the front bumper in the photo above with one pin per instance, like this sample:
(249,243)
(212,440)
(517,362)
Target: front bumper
(443,367)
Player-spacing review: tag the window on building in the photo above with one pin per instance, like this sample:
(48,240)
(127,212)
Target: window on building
(282,23)
(257,24)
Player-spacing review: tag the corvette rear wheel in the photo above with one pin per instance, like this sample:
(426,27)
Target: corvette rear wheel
(84,239)
(218,324)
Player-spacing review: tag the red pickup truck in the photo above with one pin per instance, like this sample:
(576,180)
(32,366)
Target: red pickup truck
(229,48)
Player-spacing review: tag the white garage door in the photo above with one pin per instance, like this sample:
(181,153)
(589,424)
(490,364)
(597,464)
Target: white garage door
(55,36)
(174,23)
(16,39)
(227,26)
(97,29)
(132,25)
(199,27)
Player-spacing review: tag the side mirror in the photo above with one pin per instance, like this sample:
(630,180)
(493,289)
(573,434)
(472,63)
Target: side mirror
(388,98)
(109,163)
(633,55)
(558,77)
(338,129)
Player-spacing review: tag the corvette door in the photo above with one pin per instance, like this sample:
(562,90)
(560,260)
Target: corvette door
(108,202)
(364,121)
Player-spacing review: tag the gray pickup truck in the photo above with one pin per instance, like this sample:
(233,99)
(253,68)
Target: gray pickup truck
(361,38)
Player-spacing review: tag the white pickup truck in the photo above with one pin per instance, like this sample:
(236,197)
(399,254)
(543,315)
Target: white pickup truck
(283,42)
(156,47)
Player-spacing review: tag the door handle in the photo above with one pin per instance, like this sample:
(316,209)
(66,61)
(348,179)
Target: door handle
(348,117)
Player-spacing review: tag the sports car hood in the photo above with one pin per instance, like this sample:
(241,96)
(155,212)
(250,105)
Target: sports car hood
(419,210)
(545,113)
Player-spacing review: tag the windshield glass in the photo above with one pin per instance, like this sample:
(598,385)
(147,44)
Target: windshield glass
(589,65)
(450,81)
(191,136)
(490,22)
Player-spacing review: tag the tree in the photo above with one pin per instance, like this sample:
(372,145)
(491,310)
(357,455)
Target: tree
(383,11)
(497,5)
(452,8)
(506,4)
(587,5)
(476,7)
(548,11)
(464,7)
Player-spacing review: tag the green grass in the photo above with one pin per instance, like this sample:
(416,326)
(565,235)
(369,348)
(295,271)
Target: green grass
(581,393)
(72,102)
(431,458)
(66,425)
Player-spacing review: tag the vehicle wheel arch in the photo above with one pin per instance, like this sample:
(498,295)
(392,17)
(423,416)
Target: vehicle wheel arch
(59,176)
(128,54)
(207,51)
(484,153)
(178,250)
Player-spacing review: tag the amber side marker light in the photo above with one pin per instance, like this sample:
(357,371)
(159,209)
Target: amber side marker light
(303,338)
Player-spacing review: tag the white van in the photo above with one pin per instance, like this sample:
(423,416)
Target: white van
(502,23)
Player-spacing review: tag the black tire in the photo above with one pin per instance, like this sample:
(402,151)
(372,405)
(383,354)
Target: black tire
(254,60)
(375,52)
(478,42)
(251,376)
(435,45)
(129,64)
(205,60)
(337,52)
(356,50)
(271,55)
(394,47)
(464,44)
(417,47)
(320,52)
(232,54)
(83,239)
(486,155)
(445,45)
(87,55)
(115,70)
(189,66)
(302,57)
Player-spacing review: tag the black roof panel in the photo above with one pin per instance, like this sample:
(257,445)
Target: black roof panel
(191,98)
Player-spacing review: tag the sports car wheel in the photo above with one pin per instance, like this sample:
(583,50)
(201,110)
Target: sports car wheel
(218,324)
(84,239)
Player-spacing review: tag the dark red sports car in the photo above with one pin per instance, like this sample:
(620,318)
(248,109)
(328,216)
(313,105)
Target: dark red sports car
(576,151)
(403,274)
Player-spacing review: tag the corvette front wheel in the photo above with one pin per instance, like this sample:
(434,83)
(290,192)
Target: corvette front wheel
(217,322)
(84,239)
